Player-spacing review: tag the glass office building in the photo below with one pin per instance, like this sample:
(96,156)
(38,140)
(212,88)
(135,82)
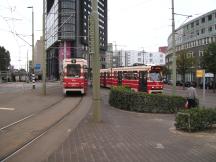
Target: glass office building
(67,32)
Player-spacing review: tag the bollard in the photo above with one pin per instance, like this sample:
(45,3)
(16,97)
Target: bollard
(33,81)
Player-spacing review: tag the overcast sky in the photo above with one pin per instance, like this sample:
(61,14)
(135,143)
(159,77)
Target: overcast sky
(134,25)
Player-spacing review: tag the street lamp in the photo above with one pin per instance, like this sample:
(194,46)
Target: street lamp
(33,75)
(44,53)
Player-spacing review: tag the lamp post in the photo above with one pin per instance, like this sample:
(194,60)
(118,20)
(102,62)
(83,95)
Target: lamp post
(44,53)
(33,75)
(143,53)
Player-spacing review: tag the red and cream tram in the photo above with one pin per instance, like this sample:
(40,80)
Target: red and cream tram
(139,78)
(75,74)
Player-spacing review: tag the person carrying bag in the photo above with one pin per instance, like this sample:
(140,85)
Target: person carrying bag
(191,97)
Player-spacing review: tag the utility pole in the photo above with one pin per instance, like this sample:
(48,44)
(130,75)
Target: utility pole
(143,52)
(44,53)
(94,45)
(173,51)
(125,59)
(33,74)
(27,70)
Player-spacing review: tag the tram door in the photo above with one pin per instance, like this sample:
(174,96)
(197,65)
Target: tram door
(119,77)
(104,79)
(143,81)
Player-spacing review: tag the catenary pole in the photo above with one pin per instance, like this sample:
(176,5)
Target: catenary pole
(33,74)
(173,52)
(94,45)
(44,53)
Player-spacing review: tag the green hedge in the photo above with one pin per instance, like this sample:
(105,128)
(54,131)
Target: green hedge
(195,119)
(126,99)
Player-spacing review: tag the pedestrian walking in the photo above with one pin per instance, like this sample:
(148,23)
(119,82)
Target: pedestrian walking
(191,96)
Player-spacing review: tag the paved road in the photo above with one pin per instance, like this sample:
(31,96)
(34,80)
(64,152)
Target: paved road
(15,87)
(17,104)
(210,99)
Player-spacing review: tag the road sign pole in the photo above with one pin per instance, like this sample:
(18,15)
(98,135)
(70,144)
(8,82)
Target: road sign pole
(203,87)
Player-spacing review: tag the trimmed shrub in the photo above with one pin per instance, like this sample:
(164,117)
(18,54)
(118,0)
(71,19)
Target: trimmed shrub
(124,98)
(195,119)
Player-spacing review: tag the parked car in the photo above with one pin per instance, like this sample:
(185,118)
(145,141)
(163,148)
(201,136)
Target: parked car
(187,84)
(208,85)
(179,83)
(165,81)
(170,82)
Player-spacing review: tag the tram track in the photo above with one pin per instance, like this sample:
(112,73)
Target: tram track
(31,115)
(31,137)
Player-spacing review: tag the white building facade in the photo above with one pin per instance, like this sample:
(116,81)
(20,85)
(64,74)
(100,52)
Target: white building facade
(131,57)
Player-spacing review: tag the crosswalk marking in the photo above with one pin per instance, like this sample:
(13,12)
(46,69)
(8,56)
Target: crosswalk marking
(9,109)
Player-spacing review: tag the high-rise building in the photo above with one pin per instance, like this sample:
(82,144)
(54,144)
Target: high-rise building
(67,26)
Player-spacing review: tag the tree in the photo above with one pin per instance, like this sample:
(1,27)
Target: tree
(184,63)
(4,59)
(166,71)
(208,61)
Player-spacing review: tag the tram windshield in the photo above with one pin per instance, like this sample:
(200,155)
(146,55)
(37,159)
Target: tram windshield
(73,70)
(155,76)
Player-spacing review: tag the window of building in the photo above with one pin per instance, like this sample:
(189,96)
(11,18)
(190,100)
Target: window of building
(197,32)
(209,17)
(139,54)
(210,29)
(139,60)
(192,24)
(189,54)
(201,53)
(192,33)
(150,54)
(197,22)
(203,20)
(203,31)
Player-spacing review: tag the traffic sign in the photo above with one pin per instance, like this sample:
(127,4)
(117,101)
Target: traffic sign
(200,73)
(37,66)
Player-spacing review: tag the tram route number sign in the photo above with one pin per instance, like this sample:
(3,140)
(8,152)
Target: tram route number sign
(73,61)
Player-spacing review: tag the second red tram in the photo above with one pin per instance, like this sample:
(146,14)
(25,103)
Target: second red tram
(75,75)
(139,78)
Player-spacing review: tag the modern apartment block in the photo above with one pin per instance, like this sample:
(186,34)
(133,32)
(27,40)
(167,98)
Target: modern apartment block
(194,36)
(130,57)
(67,26)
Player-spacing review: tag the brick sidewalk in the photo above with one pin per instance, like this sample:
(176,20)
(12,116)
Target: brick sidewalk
(133,137)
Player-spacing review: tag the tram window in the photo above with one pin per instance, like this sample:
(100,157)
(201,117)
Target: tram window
(125,75)
(115,74)
(135,75)
(155,76)
(73,70)
(85,75)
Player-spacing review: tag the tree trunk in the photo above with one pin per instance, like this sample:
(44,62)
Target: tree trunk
(183,80)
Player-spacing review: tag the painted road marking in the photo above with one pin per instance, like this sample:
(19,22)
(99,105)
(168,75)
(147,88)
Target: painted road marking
(9,109)
(159,146)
